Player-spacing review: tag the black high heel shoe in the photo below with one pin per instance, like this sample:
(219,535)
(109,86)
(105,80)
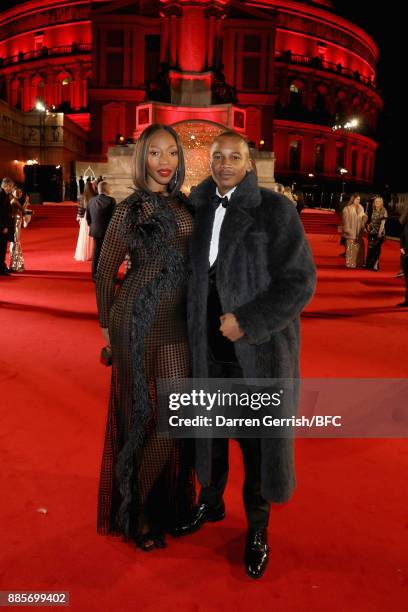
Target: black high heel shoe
(145,541)
(159,538)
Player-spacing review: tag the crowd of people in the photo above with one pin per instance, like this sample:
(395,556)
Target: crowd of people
(95,210)
(295,198)
(74,188)
(363,233)
(15,214)
(356,224)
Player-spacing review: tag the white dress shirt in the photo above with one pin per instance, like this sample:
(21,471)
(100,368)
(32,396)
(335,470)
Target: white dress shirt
(216,229)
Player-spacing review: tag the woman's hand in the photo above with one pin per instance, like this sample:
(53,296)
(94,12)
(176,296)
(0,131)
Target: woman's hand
(105,334)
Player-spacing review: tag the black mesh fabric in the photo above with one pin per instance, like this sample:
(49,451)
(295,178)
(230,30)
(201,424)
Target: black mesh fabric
(143,474)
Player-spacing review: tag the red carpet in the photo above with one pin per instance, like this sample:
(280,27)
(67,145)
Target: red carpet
(340,544)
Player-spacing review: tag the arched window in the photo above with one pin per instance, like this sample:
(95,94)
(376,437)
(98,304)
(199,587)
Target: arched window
(65,91)
(319,158)
(320,101)
(3,89)
(295,155)
(16,91)
(341,106)
(295,94)
(88,84)
(37,89)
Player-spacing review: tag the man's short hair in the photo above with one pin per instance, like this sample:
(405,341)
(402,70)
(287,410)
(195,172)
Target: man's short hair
(232,134)
(103,187)
(7,181)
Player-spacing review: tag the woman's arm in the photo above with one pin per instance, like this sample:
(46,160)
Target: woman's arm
(112,255)
(345,223)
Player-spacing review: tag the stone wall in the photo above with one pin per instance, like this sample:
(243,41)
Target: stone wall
(50,139)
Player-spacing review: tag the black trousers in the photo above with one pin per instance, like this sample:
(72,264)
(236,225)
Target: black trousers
(3,252)
(256,507)
(404,266)
(98,242)
(374,253)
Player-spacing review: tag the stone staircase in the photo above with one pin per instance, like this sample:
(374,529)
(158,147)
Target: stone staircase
(64,215)
(320,222)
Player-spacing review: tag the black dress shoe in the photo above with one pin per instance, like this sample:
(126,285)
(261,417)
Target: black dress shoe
(256,552)
(201,514)
(403,304)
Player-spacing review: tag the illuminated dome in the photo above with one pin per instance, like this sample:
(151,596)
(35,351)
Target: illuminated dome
(282,72)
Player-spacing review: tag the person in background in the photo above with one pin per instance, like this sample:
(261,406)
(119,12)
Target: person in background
(81,184)
(403,219)
(84,248)
(404,253)
(73,189)
(287,191)
(354,221)
(300,201)
(67,191)
(7,186)
(98,215)
(17,215)
(278,187)
(376,234)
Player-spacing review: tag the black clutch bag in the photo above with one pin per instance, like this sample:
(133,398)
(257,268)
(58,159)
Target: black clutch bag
(106,356)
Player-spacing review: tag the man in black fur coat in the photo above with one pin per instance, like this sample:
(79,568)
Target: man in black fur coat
(252,273)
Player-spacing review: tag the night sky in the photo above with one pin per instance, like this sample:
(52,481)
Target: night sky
(387,26)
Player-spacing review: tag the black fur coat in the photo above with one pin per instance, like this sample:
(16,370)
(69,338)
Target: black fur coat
(265,276)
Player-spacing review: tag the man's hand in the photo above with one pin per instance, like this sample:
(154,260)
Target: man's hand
(4,231)
(402,251)
(230,328)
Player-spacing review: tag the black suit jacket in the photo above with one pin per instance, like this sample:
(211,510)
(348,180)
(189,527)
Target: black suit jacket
(99,213)
(404,238)
(5,210)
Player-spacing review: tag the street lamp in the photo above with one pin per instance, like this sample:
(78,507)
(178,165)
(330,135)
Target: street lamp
(343,172)
(43,111)
(40,106)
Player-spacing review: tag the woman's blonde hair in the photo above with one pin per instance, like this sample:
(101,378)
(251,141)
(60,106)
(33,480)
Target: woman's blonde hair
(381,200)
(139,173)
(287,191)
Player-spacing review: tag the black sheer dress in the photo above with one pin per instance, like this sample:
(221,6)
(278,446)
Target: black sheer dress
(144,476)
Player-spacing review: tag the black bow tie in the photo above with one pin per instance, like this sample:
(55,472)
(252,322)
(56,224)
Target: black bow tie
(216,200)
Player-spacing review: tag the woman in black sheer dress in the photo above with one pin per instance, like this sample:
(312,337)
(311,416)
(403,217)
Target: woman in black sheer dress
(146,480)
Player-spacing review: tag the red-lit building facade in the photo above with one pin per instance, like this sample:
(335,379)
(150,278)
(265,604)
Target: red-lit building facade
(281,72)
